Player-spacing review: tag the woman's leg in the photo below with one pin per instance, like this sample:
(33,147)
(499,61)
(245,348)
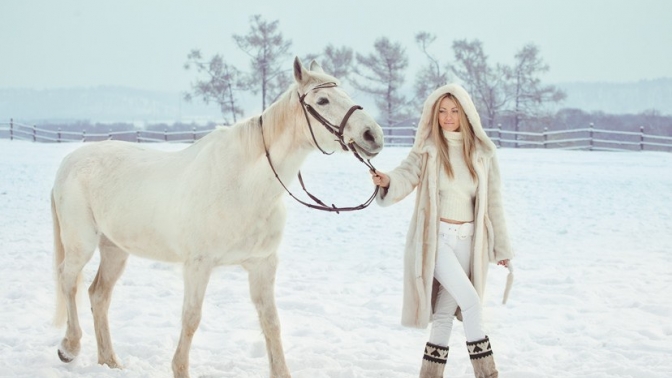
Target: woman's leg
(442,320)
(452,264)
(436,350)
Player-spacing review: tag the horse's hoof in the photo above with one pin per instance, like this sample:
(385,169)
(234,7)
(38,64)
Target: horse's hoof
(112,363)
(67,351)
(65,356)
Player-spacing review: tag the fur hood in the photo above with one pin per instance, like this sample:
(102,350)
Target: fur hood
(484,144)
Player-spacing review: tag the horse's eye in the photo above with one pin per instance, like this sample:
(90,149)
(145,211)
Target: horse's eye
(322,101)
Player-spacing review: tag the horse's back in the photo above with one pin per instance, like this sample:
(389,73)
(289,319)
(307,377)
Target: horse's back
(108,162)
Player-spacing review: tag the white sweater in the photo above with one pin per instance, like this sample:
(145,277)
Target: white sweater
(456,194)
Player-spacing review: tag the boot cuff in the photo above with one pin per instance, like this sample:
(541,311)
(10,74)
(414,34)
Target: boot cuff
(479,349)
(436,353)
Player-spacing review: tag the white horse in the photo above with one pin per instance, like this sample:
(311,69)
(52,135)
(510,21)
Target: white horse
(216,202)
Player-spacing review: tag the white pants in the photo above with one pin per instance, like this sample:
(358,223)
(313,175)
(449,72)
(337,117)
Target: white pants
(453,258)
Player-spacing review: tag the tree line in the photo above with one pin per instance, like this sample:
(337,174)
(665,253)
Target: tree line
(497,90)
(508,96)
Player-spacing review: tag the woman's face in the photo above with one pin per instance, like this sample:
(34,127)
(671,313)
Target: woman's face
(449,119)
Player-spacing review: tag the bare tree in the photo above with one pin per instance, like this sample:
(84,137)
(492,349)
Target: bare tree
(221,86)
(486,84)
(381,73)
(266,47)
(430,76)
(525,89)
(338,62)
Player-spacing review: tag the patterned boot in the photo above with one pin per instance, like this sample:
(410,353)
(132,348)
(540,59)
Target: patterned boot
(480,353)
(434,361)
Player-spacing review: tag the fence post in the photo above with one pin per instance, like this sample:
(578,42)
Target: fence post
(34,134)
(641,138)
(165,135)
(545,136)
(83,135)
(193,133)
(109,135)
(515,137)
(137,136)
(59,136)
(11,129)
(499,135)
(591,136)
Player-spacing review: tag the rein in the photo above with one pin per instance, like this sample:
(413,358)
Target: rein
(338,132)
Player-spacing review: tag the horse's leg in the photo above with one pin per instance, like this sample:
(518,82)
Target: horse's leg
(196,278)
(112,262)
(262,281)
(78,245)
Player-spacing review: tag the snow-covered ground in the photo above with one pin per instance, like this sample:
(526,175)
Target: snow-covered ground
(592,232)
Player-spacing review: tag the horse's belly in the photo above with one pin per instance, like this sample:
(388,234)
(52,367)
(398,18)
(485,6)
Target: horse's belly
(154,253)
(229,246)
(147,247)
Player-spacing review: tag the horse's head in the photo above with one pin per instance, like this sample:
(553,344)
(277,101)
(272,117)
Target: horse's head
(326,104)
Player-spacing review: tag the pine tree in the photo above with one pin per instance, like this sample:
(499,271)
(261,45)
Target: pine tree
(381,73)
(337,62)
(266,47)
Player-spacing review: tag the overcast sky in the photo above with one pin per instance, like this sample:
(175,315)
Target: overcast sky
(144,43)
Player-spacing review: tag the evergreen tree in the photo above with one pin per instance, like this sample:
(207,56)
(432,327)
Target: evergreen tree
(266,47)
(337,62)
(381,74)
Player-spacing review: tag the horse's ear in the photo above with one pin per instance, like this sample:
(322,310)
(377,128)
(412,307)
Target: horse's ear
(315,67)
(300,73)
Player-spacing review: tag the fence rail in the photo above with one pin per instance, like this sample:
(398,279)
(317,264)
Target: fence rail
(588,138)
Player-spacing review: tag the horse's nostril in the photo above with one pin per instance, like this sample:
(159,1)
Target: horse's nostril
(368,136)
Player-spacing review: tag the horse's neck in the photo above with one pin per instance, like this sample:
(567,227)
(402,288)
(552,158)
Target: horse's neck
(284,136)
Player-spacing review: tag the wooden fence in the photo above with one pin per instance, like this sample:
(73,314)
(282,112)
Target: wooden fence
(588,138)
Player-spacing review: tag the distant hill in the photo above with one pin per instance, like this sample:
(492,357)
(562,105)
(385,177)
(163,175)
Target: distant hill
(119,104)
(620,98)
(102,104)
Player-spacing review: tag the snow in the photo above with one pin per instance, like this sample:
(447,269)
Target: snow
(592,232)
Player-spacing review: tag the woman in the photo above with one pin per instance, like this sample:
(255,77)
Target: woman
(457,226)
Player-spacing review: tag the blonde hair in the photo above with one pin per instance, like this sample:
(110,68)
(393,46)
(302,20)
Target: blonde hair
(468,136)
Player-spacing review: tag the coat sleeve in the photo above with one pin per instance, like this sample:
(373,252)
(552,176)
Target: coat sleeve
(403,180)
(502,246)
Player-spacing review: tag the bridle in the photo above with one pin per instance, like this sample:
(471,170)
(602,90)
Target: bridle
(338,132)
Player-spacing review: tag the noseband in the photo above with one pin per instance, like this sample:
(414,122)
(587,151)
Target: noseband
(338,132)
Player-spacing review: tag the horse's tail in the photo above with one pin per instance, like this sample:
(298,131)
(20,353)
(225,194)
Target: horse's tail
(59,255)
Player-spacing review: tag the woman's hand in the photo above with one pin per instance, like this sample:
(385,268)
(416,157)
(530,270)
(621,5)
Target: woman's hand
(504,263)
(380,179)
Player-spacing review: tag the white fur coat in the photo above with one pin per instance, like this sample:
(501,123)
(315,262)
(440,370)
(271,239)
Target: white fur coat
(420,170)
